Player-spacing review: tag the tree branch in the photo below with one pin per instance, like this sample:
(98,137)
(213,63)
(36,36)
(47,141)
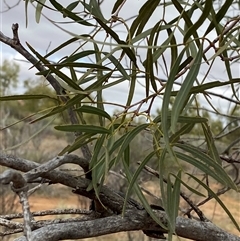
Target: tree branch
(16,44)
(135,218)
(132,220)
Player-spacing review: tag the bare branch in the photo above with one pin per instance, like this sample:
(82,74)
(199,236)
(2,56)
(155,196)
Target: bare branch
(132,220)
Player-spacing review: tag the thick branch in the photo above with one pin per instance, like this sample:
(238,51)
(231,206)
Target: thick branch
(135,218)
(201,231)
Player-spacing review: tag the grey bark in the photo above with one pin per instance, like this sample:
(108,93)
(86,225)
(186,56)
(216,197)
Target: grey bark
(135,218)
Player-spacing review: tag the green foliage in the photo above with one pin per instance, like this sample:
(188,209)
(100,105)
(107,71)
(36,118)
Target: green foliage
(115,61)
(9,75)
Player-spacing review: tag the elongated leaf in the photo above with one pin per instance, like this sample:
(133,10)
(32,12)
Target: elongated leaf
(25,97)
(184,130)
(79,142)
(72,5)
(77,56)
(212,194)
(204,162)
(187,19)
(142,198)
(94,8)
(205,12)
(131,90)
(83,128)
(145,13)
(54,70)
(126,49)
(173,197)
(96,164)
(183,93)
(116,6)
(68,13)
(94,110)
(81,65)
(39,8)
(220,15)
(64,44)
(99,92)
(166,99)
(128,138)
(211,143)
(149,76)
(182,119)
(118,65)
(203,87)
(135,177)
(59,109)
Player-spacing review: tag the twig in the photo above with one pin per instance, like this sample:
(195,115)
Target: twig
(20,187)
(182,194)
(16,44)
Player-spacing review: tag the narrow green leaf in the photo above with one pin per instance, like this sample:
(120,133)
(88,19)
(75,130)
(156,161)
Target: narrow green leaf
(187,19)
(128,138)
(39,8)
(99,76)
(142,197)
(126,157)
(145,13)
(166,99)
(205,12)
(204,162)
(96,164)
(83,128)
(126,49)
(116,6)
(64,44)
(117,65)
(78,142)
(77,56)
(173,197)
(72,5)
(25,97)
(133,80)
(219,16)
(93,110)
(73,74)
(148,63)
(182,119)
(95,9)
(212,194)
(184,130)
(203,87)
(81,65)
(183,93)
(54,70)
(69,14)
(133,180)
(213,152)
(193,190)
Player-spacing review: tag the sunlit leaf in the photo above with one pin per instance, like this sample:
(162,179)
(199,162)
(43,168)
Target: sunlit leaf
(39,8)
